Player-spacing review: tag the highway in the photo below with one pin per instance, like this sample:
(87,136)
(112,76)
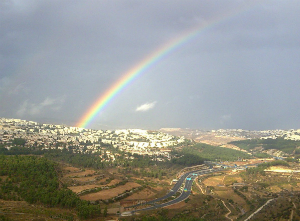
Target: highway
(171,193)
(187,179)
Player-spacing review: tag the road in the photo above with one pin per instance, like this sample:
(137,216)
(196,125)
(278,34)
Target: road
(187,179)
(171,193)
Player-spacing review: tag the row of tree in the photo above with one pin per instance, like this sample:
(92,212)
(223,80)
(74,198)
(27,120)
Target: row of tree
(260,169)
(35,180)
(188,159)
(209,152)
(287,146)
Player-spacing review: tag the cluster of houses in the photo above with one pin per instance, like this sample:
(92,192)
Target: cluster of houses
(286,134)
(50,136)
(292,134)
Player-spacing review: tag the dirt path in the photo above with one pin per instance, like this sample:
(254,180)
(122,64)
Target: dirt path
(292,212)
(199,185)
(229,211)
(259,209)
(223,179)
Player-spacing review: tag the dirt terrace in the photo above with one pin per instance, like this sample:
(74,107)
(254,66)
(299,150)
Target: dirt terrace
(78,189)
(108,194)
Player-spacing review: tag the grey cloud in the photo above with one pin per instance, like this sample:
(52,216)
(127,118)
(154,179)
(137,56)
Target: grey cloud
(58,57)
(52,104)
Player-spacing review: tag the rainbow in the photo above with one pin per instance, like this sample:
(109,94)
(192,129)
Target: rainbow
(147,63)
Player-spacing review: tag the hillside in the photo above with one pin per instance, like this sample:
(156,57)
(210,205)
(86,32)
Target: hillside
(55,178)
(278,147)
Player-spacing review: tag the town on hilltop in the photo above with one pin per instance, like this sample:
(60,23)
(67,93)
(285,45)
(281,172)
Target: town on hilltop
(292,134)
(134,141)
(50,136)
(172,173)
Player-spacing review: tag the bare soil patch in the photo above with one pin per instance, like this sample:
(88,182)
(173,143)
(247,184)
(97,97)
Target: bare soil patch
(102,180)
(287,186)
(212,139)
(113,170)
(78,189)
(177,205)
(113,182)
(231,195)
(108,194)
(158,188)
(229,179)
(3,178)
(113,210)
(85,179)
(81,173)
(296,188)
(21,210)
(71,169)
(213,181)
(275,189)
(143,194)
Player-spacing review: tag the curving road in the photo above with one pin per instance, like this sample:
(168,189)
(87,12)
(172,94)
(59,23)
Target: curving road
(187,179)
(171,193)
(185,193)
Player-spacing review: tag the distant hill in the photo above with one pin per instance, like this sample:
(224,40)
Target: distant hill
(283,146)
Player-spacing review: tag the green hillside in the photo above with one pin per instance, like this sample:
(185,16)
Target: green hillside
(209,152)
(36,181)
(287,146)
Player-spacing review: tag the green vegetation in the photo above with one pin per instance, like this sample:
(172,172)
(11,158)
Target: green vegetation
(209,152)
(246,144)
(35,180)
(19,141)
(162,216)
(245,198)
(38,179)
(88,160)
(188,159)
(152,172)
(76,159)
(261,155)
(19,150)
(3,218)
(287,146)
(261,167)
(140,161)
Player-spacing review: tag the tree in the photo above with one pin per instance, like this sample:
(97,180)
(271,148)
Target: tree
(105,211)
(19,141)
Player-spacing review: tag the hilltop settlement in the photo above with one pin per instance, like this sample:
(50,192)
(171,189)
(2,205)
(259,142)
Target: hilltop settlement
(80,140)
(156,144)
(51,172)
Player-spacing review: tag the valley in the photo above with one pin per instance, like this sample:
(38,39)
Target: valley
(237,178)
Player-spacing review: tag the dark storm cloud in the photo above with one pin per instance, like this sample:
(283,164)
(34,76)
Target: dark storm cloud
(58,57)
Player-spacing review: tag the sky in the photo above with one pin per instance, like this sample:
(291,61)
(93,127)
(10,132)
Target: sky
(240,69)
